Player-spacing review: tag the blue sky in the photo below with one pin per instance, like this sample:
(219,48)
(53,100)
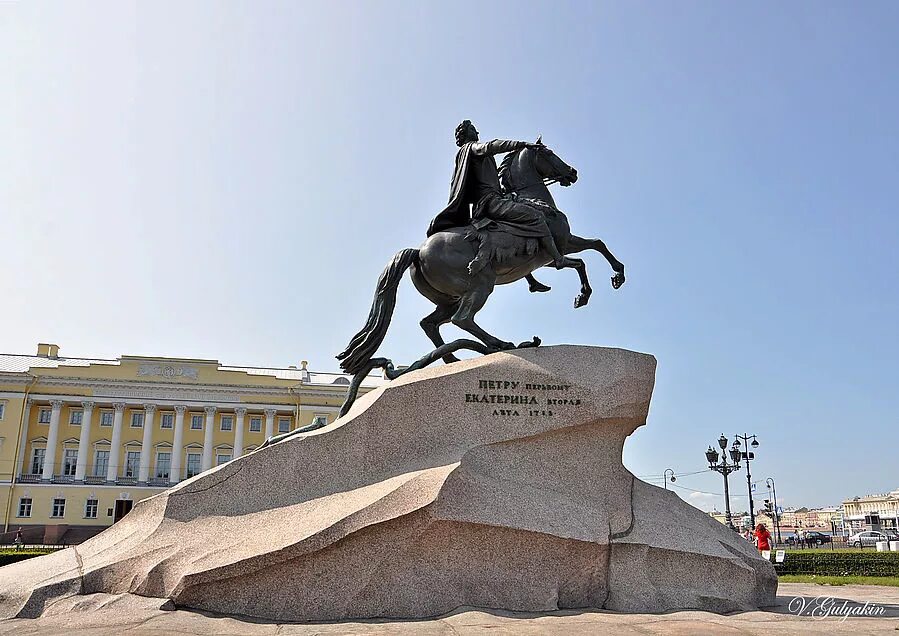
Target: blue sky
(226,180)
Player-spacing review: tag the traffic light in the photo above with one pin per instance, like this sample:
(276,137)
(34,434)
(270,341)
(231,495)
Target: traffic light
(768,508)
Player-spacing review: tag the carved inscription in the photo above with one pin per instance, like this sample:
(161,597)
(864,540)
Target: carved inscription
(511,398)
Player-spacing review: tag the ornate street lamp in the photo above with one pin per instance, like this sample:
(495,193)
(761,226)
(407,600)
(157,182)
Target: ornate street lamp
(725,469)
(748,455)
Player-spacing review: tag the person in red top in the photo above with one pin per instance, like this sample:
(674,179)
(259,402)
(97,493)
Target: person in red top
(762,538)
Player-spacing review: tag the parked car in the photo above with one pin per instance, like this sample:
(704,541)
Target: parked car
(817,538)
(868,537)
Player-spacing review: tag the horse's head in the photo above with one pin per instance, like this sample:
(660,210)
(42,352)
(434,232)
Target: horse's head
(550,166)
(530,170)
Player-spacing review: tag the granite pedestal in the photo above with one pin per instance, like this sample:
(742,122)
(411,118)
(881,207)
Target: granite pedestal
(495,482)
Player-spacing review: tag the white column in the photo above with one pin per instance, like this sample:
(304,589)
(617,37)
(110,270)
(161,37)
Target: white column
(207,438)
(115,450)
(144,472)
(84,440)
(23,442)
(239,413)
(52,439)
(177,445)
(269,422)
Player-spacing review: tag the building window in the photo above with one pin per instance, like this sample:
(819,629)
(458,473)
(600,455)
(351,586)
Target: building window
(167,420)
(75,416)
(59,508)
(196,422)
(101,463)
(69,461)
(227,422)
(222,459)
(37,460)
(137,419)
(43,416)
(132,463)
(320,420)
(163,465)
(193,464)
(283,424)
(255,424)
(106,418)
(24,507)
(90,509)
(2,409)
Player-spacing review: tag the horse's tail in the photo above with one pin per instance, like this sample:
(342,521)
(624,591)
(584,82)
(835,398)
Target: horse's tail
(365,343)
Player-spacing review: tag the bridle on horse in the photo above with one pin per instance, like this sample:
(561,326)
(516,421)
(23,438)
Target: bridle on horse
(547,181)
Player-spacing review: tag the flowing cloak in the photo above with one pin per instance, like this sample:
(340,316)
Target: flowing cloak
(456,213)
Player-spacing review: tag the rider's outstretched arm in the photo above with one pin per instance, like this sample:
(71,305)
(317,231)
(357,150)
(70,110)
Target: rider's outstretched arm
(497,147)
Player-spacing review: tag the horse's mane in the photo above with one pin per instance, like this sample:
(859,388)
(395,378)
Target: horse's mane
(504,168)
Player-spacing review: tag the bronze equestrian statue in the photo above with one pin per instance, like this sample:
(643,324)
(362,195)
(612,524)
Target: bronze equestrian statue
(499,226)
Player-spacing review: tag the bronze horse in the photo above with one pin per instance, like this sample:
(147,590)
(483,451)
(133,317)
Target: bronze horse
(443,269)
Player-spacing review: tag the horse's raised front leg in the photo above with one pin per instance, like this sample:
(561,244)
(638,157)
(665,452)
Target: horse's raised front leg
(431,326)
(471,304)
(584,297)
(579,244)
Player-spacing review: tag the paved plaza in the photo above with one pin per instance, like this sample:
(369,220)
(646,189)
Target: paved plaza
(105,615)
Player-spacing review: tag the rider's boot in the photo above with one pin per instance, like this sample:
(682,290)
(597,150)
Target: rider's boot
(535,285)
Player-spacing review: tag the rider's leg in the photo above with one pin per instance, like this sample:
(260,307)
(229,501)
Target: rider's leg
(547,242)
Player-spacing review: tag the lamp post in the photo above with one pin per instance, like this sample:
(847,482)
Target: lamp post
(748,456)
(725,469)
(665,477)
(770,482)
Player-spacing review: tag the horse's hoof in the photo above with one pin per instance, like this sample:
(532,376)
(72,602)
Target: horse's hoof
(449,359)
(581,300)
(617,280)
(528,344)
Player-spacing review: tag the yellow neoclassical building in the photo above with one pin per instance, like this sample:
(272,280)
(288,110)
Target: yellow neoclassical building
(82,439)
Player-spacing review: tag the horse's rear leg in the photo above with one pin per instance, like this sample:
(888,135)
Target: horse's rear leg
(471,304)
(431,326)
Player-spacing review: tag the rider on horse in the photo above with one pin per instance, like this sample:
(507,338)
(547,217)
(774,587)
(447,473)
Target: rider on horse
(476,182)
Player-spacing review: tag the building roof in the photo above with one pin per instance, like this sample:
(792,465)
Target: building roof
(21,363)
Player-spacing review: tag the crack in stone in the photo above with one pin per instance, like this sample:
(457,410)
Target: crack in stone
(210,487)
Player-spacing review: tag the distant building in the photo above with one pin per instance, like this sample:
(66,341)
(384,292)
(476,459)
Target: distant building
(82,439)
(860,512)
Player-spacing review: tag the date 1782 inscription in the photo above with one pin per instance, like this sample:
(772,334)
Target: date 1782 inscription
(517,399)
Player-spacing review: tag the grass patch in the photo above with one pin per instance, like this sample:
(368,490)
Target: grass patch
(891,581)
(867,550)
(13,555)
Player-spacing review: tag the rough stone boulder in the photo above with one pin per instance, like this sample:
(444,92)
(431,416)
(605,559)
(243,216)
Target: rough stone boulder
(494,482)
